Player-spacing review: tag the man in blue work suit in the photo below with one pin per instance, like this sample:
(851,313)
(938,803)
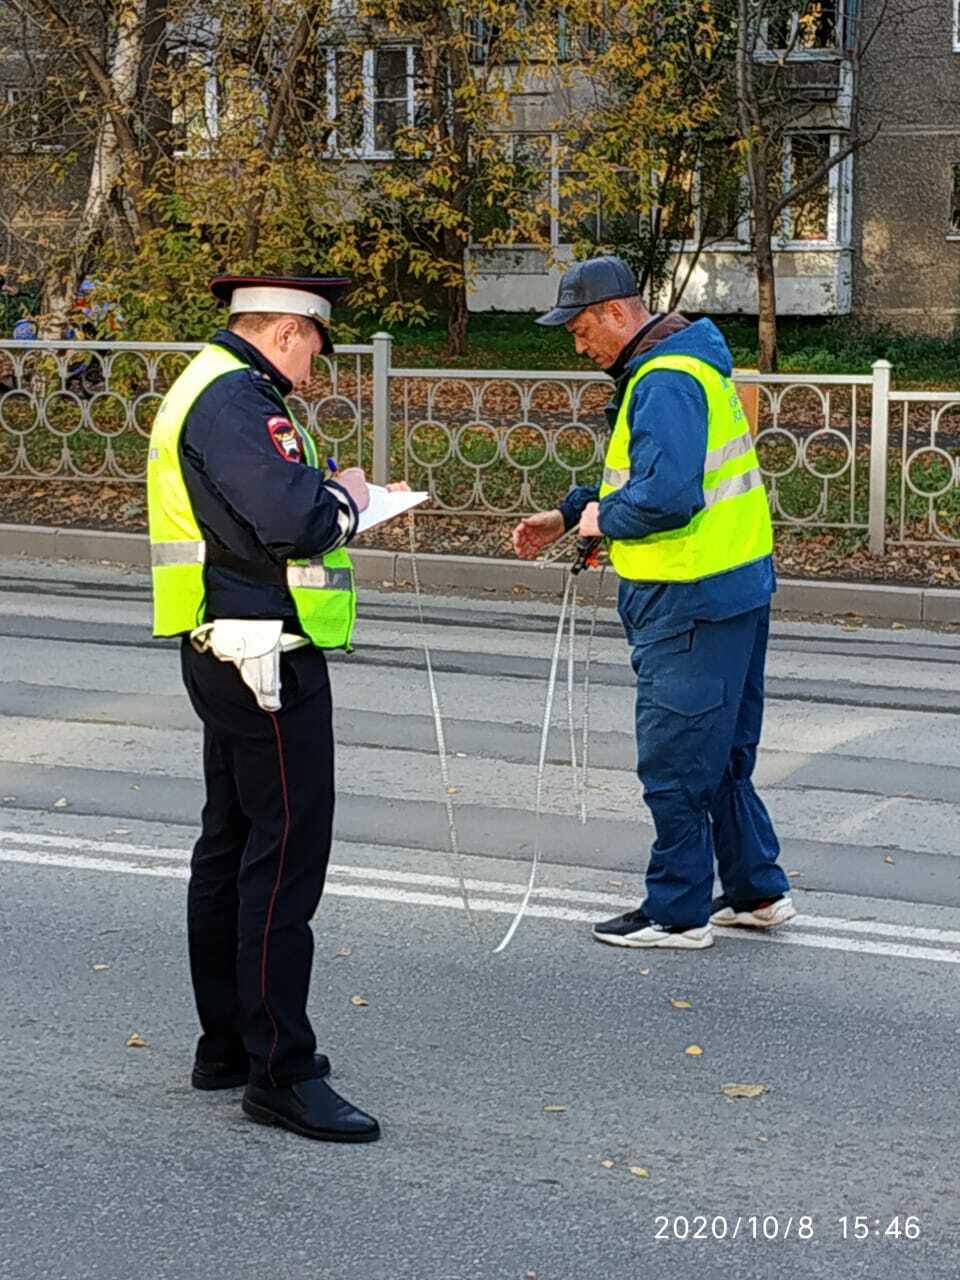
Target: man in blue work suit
(247,538)
(684,513)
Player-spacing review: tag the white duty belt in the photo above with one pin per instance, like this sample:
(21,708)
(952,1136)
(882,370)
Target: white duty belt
(254,646)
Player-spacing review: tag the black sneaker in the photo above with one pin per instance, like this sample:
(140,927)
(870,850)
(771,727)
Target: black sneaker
(761,913)
(634,929)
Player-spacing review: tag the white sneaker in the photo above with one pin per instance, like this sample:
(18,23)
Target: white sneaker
(765,914)
(634,929)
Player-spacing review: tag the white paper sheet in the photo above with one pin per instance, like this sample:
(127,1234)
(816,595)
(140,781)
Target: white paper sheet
(385,506)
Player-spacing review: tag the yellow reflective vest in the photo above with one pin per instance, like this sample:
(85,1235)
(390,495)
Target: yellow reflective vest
(734,526)
(323,589)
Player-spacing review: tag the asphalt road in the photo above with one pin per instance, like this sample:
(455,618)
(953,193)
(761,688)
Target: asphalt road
(541,1115)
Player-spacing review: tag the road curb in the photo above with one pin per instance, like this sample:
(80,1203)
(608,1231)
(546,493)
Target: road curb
(501,577)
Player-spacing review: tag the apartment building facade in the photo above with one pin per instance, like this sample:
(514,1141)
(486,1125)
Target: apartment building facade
(880,237)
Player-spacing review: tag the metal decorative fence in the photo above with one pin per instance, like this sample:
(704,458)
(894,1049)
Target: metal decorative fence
(839,453)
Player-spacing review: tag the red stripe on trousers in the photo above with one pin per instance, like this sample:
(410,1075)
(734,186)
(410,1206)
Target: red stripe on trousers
(273,896)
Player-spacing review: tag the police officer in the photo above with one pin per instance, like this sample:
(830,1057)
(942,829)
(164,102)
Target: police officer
(684,512)
(247,538)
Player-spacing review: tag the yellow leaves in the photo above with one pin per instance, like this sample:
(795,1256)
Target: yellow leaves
(556,1107)
(607,1164)
(136,1041)
(61,803)
(344,951)
(644,973)
(358,1001)
(744,1090)
(681,1004)
(693,1051)
(100,968)
(638,1171)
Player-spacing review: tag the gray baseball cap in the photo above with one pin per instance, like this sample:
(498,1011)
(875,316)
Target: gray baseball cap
(596,280)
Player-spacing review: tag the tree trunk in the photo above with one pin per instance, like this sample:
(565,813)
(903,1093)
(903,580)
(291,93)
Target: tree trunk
(754,135)
(767,313)
(457,319)
(766,293)
(115,170)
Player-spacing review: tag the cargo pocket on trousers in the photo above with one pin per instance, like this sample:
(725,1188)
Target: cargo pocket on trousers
(689,698)
(676,721)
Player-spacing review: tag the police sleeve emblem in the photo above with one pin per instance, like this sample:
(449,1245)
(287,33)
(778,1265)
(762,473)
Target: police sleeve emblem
(285,439)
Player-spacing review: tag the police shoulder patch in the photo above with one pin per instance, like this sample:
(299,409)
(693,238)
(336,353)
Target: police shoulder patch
(285,439)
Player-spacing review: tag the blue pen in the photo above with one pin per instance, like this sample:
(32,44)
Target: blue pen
(331,465)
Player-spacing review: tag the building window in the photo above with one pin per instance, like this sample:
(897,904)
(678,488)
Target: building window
(955,201)
(527,162)
(372,96)
(809,219)
(28,122)
(956,26)
(815,28)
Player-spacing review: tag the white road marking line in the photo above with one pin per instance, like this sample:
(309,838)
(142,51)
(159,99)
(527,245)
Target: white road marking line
(879,928)
(386,893)
(883,928)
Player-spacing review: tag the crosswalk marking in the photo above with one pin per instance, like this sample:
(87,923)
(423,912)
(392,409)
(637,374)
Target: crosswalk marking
(408,888)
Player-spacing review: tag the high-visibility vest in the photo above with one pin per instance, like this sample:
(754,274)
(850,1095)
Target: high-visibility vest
(323,589)
(734,526)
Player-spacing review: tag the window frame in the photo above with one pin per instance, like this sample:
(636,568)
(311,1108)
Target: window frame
(26,146)
(367,149)
(956,26)
(953,226)
(765,52)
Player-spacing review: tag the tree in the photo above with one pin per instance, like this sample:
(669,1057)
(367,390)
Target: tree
(656,176)
(427,102)
(782,64)
(188,140)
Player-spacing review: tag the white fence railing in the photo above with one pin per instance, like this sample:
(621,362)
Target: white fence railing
(837,452)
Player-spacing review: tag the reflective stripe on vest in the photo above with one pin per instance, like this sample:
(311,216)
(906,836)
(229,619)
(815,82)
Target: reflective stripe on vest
(322,589)
(733,528)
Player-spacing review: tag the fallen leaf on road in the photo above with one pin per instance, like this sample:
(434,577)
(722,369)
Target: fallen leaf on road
(99,968)
(851,626)
(134,786)
(639,1172)
(555,1107)
(681,1004)
(452,791)
(61,803)
(744,1090)
(9,799)
(898,626)
(606,1164)
(358,1001)
(888,860)
(136,1041)
(344,951)
(693,1051)
(644,973)
(793,874)
(615,884)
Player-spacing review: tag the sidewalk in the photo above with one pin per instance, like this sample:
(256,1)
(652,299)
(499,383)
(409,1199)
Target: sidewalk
(910,604)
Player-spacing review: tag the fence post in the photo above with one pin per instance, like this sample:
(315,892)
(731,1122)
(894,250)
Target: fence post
(382,354)
(879,434)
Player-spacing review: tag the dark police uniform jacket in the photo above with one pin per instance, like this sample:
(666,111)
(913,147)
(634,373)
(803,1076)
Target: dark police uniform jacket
(257,502)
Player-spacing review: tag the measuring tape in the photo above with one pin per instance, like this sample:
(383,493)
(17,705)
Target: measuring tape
(587,557)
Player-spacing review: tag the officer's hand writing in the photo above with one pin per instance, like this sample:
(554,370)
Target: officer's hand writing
(355,483)
(533,533)
(398,486)
(589,521)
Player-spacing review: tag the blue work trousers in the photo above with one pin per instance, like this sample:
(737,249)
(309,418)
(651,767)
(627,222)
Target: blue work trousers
(699,716)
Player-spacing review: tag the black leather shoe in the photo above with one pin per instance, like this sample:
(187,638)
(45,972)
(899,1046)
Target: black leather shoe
(230,1075)
(312,1109)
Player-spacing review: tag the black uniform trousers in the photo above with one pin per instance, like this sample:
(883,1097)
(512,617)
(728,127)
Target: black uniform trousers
(259,866)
